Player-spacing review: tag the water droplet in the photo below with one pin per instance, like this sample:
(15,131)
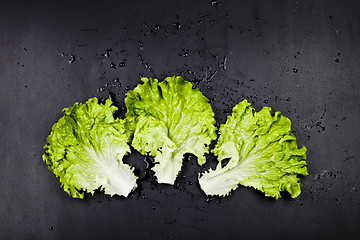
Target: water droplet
(51,228)
(101,89)
(266,101)
(354,189)
(113,65)
(184,53)
(157,27)
(141,46)
(295,70)
(227,109)
(122,64)
(107,53)
(145,25)
(223,63)
(72,58)
(148,162)
(112,97)
(288,99)
(215,3)
(177,25)
(337,60)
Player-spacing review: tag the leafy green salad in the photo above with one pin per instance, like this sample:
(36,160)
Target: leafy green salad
(166,120)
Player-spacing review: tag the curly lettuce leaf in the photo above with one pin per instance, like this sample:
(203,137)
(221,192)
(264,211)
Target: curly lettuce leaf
(263,154)
(169,119)
(85,150)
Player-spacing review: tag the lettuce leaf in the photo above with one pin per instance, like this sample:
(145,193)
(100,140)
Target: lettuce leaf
(169,119)
(85,149)
(262,154)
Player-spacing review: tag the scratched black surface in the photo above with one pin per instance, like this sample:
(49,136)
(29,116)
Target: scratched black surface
(299,57)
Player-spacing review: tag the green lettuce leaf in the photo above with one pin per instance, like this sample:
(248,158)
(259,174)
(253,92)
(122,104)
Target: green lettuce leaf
(263,154)
(85,149)
(169,119)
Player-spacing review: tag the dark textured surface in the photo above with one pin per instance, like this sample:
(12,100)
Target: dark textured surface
(299,57)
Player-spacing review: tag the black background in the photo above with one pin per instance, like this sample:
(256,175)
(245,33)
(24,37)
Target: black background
(299,57)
